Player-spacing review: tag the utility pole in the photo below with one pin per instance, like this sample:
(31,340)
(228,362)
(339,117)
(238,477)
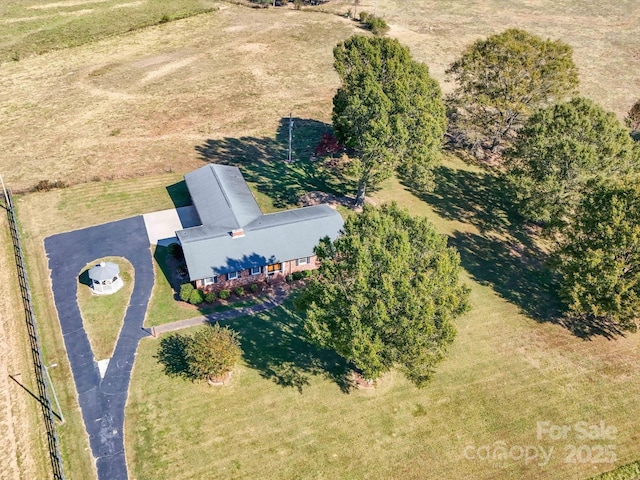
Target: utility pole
(290,135)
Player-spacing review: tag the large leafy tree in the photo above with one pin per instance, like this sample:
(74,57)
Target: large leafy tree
(388,112)
(599,260)
(559,150)
(503,78)
(386,294)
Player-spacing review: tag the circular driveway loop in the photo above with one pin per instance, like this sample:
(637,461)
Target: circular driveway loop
(102,401)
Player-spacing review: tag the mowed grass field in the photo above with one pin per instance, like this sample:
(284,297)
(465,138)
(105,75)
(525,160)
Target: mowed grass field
(126,116)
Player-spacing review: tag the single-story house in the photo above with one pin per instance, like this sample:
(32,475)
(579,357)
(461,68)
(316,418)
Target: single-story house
(236,244)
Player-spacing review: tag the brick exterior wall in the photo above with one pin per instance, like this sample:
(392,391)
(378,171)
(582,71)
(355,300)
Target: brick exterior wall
(245,279)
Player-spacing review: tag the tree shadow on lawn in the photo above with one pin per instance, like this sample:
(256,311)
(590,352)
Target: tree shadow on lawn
(479,198)
(504,254)
(512,272)
(263,161)
(274,343)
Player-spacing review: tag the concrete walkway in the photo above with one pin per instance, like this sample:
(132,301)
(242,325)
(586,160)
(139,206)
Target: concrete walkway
(102,400)
(274,299)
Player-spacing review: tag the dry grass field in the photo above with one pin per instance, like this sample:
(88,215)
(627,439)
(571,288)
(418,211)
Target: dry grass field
(23,447)
(139,103)
(123,117)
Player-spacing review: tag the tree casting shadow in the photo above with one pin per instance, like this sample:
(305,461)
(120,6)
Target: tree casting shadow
(263,161)
(504,254)
(273,343)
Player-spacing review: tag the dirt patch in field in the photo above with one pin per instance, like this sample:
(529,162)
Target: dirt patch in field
(317,198)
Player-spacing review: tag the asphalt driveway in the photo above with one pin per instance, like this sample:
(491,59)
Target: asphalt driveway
(102,400)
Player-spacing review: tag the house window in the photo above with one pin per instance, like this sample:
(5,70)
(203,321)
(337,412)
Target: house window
(274,267)
(232,275)
(209,281)
(256,270)
(303,261)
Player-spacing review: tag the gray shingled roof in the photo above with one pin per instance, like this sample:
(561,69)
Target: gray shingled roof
(104,271)
(223,196)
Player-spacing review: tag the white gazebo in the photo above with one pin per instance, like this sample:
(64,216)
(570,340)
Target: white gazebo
(105,278)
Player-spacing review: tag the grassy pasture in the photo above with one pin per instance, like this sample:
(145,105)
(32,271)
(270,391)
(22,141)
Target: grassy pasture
(31,27)
(505,372)
(133,112)
(149,101)
(23,450)
(286,414)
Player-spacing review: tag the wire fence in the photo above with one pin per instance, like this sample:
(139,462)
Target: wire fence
(36,353)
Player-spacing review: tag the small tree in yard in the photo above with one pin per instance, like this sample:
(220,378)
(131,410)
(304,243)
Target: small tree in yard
(212,352)
(386,294)
(599,259)
(503,79)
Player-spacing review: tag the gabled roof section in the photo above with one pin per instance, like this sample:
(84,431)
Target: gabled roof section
(235,235)
(273,238)
(222,197)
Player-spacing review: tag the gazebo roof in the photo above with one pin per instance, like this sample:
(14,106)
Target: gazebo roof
(104,271)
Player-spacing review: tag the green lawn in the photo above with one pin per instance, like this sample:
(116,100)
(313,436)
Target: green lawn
(289,412)
(625,472)
(166,307)
(286,414)
(103,315)
(37,26)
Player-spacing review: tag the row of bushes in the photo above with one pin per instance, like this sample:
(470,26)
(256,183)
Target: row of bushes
(46,185)
(298,275)
(195,297)
(377,25)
